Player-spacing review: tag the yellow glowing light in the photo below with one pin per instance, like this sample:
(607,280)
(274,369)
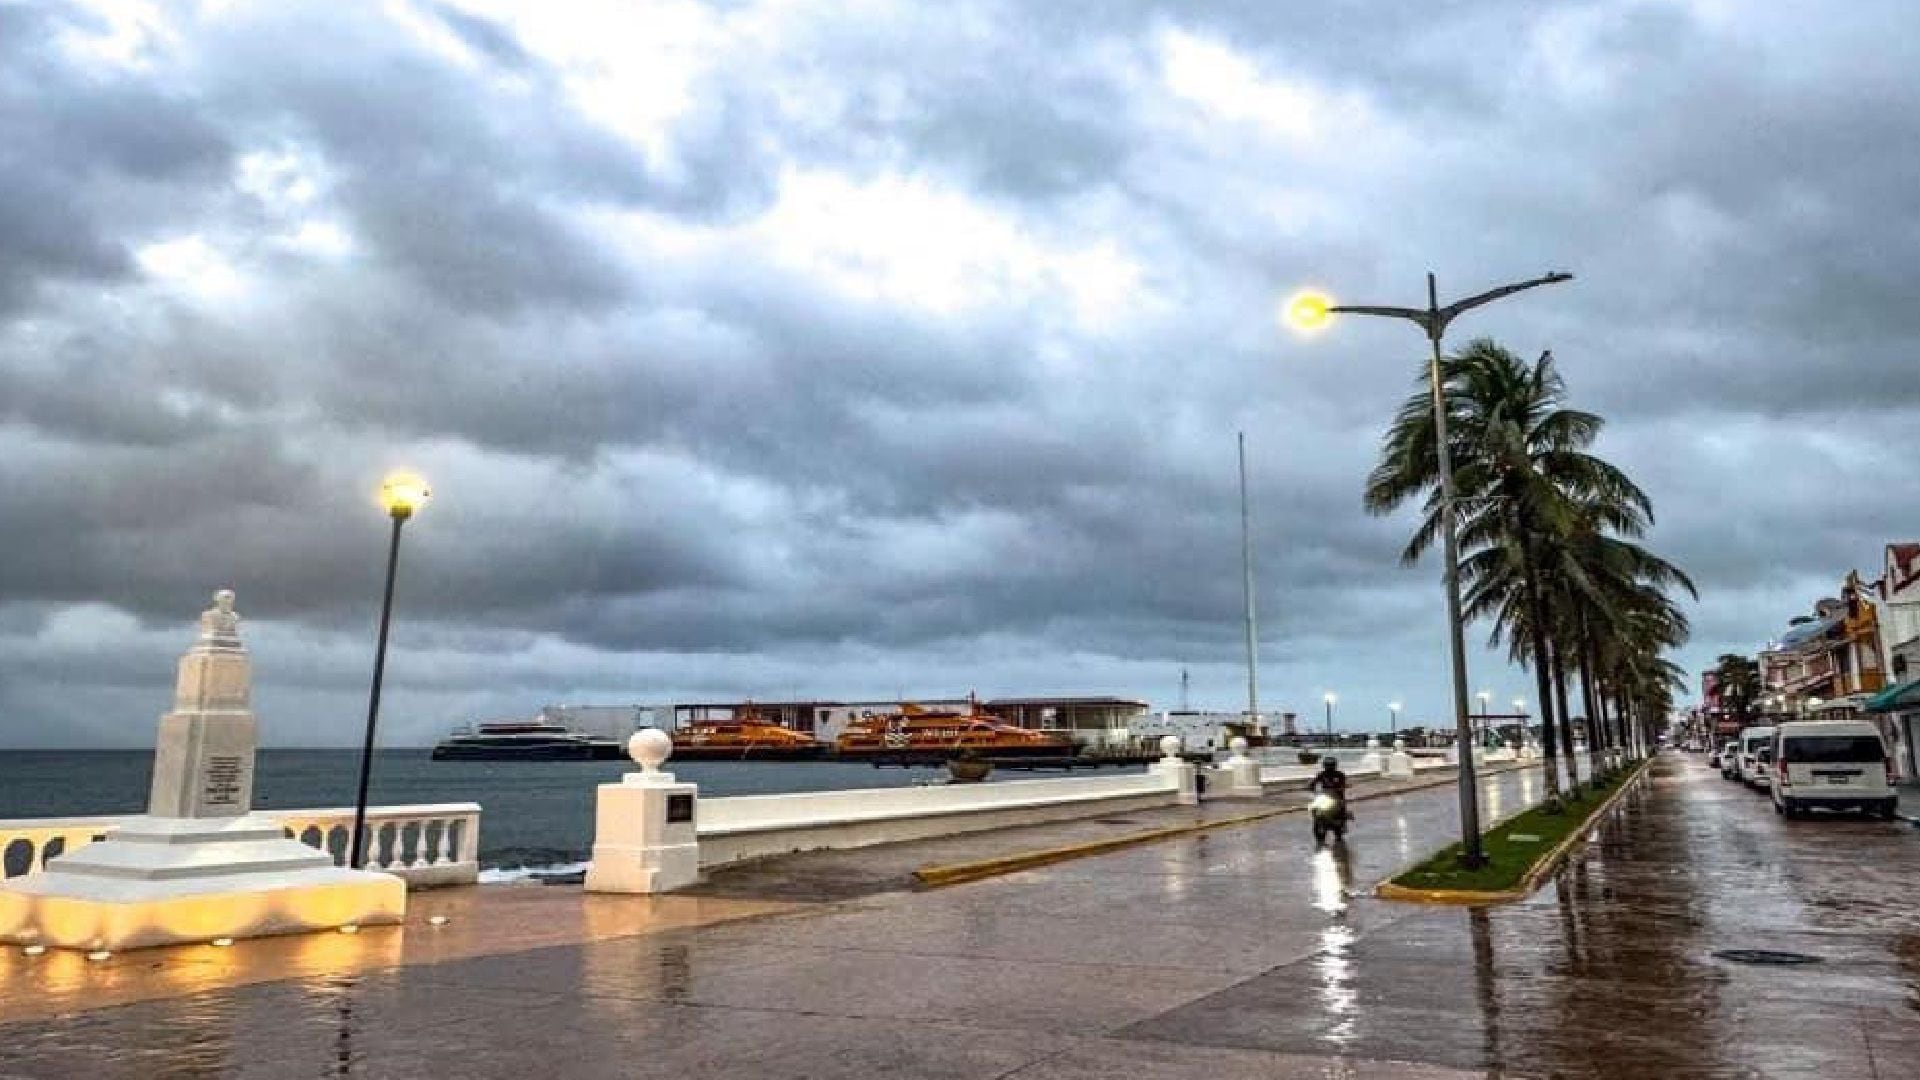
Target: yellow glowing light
(350,928)
(402,493)
(34,950)
(223,942)
(1307,310)
(100,954)
(437,920)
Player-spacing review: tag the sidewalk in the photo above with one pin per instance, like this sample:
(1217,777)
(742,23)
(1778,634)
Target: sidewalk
(1909,802)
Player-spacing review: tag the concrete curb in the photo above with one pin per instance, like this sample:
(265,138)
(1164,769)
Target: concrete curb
(1535,875)
(956,873)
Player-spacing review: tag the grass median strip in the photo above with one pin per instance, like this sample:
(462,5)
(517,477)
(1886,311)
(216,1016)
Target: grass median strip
(1518,851)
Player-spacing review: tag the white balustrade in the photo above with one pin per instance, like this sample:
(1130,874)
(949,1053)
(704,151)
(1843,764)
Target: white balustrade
(426,845)
(748,826)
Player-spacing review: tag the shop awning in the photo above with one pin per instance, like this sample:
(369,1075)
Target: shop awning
(1896,698)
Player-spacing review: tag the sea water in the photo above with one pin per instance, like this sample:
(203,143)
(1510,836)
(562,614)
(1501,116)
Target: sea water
(534,814)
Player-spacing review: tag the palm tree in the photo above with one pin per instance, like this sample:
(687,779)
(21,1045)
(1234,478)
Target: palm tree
(1609,582)
(1524,482)
(1739,680)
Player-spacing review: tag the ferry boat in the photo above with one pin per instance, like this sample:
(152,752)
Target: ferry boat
(917,734)
(743,738)
(524,740)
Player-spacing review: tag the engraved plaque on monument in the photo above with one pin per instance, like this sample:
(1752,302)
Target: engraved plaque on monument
(203,765)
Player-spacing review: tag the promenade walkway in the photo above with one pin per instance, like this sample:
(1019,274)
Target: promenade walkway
(1234,953)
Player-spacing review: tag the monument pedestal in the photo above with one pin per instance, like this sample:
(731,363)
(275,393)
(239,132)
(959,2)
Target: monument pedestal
(199,865)
(644,838)
(170,881)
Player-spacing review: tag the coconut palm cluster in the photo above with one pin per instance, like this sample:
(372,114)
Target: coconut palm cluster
(1550,549)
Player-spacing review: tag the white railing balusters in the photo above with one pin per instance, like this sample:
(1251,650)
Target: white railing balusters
(447,862)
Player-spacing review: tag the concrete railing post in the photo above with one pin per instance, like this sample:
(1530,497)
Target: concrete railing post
(1399,763)
(1238,777)
(643,836)
(1371,760)
(1179,770)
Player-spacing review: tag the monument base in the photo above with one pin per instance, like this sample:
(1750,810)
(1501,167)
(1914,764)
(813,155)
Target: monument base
(171,881)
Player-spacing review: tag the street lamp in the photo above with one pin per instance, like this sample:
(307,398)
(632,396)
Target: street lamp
(1308,311)
(401,493)
(1393,720)
(1330,699)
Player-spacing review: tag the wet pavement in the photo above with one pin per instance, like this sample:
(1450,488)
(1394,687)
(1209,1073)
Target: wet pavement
(1228,954)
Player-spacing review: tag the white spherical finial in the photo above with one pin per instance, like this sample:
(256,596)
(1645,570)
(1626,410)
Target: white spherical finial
(1170,746)
(650,747)
(1237,744)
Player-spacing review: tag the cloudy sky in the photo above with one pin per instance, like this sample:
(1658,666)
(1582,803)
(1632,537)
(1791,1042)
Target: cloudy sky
(869,348)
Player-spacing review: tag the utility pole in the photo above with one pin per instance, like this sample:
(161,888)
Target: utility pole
(1246,561)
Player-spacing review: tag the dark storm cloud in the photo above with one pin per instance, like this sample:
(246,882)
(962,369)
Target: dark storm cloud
(76,151)
(684,444)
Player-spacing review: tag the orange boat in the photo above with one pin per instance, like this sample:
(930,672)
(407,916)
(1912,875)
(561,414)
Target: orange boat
(915,733)
(743,738)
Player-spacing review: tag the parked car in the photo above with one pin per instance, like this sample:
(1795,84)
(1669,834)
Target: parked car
(1831,765)
(1729,757)
(1752,741)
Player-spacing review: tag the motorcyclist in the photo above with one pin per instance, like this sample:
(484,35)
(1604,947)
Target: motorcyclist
(1333,782)
(1330,779)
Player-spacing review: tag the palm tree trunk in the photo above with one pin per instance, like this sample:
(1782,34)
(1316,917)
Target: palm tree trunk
(1560,702)
(1543,676)
(1596,723)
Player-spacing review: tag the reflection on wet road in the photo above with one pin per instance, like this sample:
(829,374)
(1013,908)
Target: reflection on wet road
(1235,954)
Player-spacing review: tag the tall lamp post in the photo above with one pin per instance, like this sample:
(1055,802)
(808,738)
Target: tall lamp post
(401,494)
(1330,699)
(1520,710)
(1311,310)
(1393,721)
(1484,713)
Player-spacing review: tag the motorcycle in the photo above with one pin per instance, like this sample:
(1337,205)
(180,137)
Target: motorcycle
(1329,814)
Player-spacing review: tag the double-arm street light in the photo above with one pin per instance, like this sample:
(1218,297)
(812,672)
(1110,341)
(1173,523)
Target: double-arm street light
(401,494)
(1311,310)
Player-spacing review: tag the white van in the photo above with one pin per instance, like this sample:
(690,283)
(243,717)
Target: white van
(1747,765)
(1831,765)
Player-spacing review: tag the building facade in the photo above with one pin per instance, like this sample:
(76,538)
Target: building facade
(1897,709)
(1828,663)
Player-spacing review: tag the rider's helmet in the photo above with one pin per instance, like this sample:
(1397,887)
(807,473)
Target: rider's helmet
(1329,762)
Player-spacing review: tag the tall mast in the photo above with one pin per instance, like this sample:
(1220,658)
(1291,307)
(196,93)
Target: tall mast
(1246,560)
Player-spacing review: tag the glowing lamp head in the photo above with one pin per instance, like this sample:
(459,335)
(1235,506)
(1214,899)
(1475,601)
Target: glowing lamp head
(1331,697)
(1307,311)
(402,493)
(1394,705)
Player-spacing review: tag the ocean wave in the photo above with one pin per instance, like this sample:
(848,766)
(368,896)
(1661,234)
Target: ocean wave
(503,875)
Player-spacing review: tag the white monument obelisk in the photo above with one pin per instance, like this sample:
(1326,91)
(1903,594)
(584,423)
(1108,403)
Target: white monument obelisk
(199,865)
